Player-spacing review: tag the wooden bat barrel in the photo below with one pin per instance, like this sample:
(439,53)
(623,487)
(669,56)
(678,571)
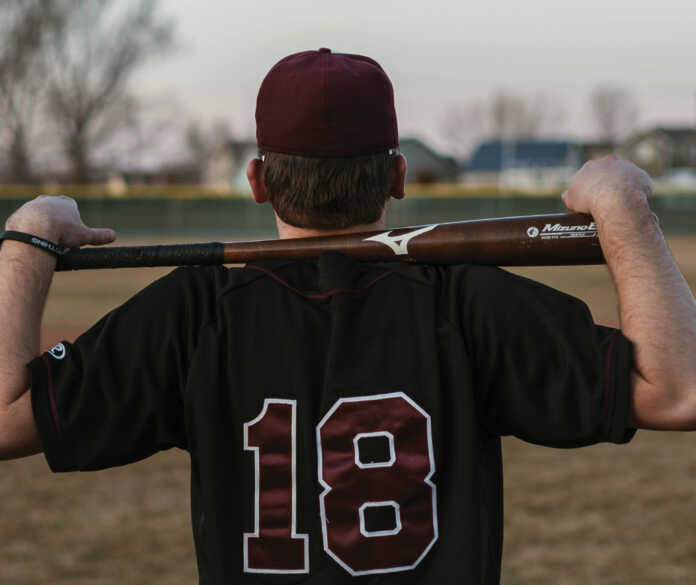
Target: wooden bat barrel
(555,239)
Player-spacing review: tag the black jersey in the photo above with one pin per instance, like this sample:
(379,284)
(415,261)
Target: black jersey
(343,418)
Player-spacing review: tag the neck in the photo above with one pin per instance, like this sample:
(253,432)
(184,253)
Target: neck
(287,231)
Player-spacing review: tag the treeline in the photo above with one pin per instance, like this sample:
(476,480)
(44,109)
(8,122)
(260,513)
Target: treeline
(611,111)
(68,112)
(65,67)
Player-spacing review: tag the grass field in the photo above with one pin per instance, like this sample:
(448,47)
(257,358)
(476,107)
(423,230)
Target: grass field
(603,515)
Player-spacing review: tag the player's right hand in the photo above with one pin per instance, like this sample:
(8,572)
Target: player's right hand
(57,219)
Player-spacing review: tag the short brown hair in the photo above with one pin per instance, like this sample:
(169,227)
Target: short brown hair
(328,193)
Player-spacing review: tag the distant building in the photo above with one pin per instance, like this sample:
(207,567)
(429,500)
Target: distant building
(117,182)
(426,165)
(678,179)
(663,150)
(524,163)
(592,150)
(227,167)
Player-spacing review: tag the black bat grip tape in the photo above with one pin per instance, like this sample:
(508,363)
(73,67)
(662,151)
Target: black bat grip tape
(135,256)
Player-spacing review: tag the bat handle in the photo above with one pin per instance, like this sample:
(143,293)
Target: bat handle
(130,257)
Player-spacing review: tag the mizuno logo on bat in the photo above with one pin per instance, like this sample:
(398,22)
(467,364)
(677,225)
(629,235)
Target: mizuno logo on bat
(399,244)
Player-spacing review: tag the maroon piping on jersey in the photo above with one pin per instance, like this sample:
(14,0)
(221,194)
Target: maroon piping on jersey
(52,398)
(325,295)
(607,376)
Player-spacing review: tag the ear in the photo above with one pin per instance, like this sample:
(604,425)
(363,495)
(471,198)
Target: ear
(254,174)
(397,184)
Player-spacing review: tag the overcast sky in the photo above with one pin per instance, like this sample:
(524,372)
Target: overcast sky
(438,53)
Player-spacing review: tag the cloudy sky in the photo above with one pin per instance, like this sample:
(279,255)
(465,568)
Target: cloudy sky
(439,54)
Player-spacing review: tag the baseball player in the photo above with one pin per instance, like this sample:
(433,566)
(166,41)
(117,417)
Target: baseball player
(343,418)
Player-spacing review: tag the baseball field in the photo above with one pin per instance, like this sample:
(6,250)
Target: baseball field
(605,515)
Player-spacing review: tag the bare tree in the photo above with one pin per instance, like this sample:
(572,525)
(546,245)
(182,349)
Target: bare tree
(516,116)
(504,115)
(24,28)
(614,110)
(92,63)
(153,137)
(462,126)
(202,143)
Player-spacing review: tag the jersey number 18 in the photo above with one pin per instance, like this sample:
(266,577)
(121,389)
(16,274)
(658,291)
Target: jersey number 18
(353,486)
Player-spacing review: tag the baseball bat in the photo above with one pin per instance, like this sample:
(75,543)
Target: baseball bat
(532,240)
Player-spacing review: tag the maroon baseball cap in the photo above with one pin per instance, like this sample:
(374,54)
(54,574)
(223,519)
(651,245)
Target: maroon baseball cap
(326,104)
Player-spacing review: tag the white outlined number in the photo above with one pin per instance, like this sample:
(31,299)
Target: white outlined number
(404,479)
(274,546)
(353,488)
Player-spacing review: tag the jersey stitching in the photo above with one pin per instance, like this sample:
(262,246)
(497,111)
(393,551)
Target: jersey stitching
(52,399)
(607,378)
(327,294)
(247,279)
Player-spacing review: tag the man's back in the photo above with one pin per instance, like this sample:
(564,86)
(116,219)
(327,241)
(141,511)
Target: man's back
(343,419)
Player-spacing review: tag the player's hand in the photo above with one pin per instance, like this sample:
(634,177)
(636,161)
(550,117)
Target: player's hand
(608,181)
(57,219)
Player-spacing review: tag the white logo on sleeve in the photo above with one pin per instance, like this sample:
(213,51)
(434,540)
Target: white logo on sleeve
(58,351)
(399,244)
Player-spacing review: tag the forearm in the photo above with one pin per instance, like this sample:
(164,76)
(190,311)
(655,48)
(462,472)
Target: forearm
(656,309)
(25,277)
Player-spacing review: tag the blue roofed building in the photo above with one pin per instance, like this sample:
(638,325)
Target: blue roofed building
(524,163)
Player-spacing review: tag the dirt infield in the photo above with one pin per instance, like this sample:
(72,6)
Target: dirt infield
(604,515)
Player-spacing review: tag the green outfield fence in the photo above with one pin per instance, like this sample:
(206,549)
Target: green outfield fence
(241,218)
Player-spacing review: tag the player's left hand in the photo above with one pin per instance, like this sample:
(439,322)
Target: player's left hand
(608,181)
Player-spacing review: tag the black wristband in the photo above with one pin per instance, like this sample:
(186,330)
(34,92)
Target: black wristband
(34,241)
